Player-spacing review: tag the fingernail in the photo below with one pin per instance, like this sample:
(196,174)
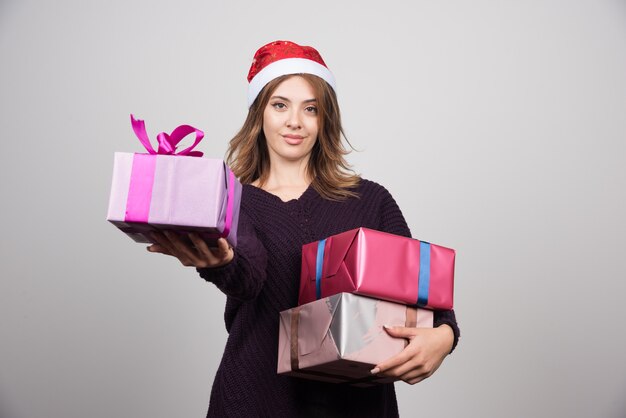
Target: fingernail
(375,370)
(388,326)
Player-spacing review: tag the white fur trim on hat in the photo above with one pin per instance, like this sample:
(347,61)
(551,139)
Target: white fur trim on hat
(287,66)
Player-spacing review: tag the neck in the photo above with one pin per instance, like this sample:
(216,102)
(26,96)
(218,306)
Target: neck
(287,174)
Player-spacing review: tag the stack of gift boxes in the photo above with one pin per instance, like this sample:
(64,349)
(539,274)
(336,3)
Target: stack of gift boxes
(351,285)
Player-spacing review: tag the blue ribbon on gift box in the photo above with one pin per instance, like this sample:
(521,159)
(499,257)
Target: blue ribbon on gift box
(423,280)
(319,264)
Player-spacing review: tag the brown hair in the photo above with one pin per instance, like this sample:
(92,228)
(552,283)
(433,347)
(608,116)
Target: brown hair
(331,175)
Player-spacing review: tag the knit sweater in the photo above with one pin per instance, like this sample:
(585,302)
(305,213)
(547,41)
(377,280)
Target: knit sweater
(263,280)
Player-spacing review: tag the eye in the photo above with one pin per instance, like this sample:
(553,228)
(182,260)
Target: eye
(279,105)
(311,109)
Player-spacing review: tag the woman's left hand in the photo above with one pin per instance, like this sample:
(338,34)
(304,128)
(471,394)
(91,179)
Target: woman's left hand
(421,357)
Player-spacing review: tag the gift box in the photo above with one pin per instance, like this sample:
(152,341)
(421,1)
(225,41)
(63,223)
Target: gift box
(381,265)
(177,191)
(341,338)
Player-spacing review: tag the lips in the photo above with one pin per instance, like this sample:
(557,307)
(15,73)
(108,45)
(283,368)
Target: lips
(293,139)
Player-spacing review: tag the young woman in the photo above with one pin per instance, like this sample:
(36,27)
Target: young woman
(297,189)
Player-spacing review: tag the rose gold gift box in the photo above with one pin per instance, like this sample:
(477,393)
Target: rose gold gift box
(340,338)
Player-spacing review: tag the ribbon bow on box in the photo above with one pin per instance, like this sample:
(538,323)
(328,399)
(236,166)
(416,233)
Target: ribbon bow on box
(168,143)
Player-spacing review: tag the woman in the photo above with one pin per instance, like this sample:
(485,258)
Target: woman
(297,189)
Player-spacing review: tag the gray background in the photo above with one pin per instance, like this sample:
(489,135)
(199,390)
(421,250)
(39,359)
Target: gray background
(498,126)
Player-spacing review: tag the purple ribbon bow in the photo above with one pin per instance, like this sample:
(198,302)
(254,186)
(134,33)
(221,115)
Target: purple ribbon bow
(168,143)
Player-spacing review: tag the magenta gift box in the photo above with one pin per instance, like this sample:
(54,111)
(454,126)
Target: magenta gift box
(165,190)
(341,338)
(380,265)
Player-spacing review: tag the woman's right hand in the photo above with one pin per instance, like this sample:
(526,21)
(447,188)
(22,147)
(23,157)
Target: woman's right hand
(197,255)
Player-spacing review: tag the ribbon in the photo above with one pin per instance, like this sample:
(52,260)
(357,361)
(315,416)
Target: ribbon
(410,320)
(423,280)
(229,203)
(167,143)
(293,346)
(319,264)
(140,188)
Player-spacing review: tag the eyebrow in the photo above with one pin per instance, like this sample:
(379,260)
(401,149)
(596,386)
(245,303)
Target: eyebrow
(287,100)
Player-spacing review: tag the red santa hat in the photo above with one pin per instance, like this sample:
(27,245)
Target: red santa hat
(284,57)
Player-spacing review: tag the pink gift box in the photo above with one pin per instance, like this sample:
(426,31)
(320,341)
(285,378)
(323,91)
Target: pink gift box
(381,265)
(167,191)
(341,338)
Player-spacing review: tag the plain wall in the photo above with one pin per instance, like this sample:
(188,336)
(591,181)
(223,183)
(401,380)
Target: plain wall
(498,126)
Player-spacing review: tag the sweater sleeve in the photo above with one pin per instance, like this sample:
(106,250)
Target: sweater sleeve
(393,221)
(242,278)
(448,318)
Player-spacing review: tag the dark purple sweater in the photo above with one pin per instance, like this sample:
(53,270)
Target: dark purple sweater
(263,279)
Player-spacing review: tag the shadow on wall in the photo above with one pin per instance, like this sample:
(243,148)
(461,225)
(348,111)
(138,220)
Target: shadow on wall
(6,6)
(5,411)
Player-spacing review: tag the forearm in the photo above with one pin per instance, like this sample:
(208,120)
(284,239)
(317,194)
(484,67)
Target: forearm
(242,278)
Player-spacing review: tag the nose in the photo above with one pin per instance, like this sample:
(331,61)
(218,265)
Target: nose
(293,120)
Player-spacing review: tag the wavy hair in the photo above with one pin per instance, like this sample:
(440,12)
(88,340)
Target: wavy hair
(331,174)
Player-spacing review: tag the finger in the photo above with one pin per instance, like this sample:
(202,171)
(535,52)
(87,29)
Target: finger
(209,253)
(406,371)
(158,237)
(401,332)
(163,238)
(418,373)
(158,248)
(416,379)
(202,247)
(163,241)
(395,361)
(185,253)
(199,243)
(226,251)
(206,254)
(402,368)
(421,369)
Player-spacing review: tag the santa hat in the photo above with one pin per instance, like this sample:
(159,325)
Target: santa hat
(284,57)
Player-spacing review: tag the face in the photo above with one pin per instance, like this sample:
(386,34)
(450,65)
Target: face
(290,121)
